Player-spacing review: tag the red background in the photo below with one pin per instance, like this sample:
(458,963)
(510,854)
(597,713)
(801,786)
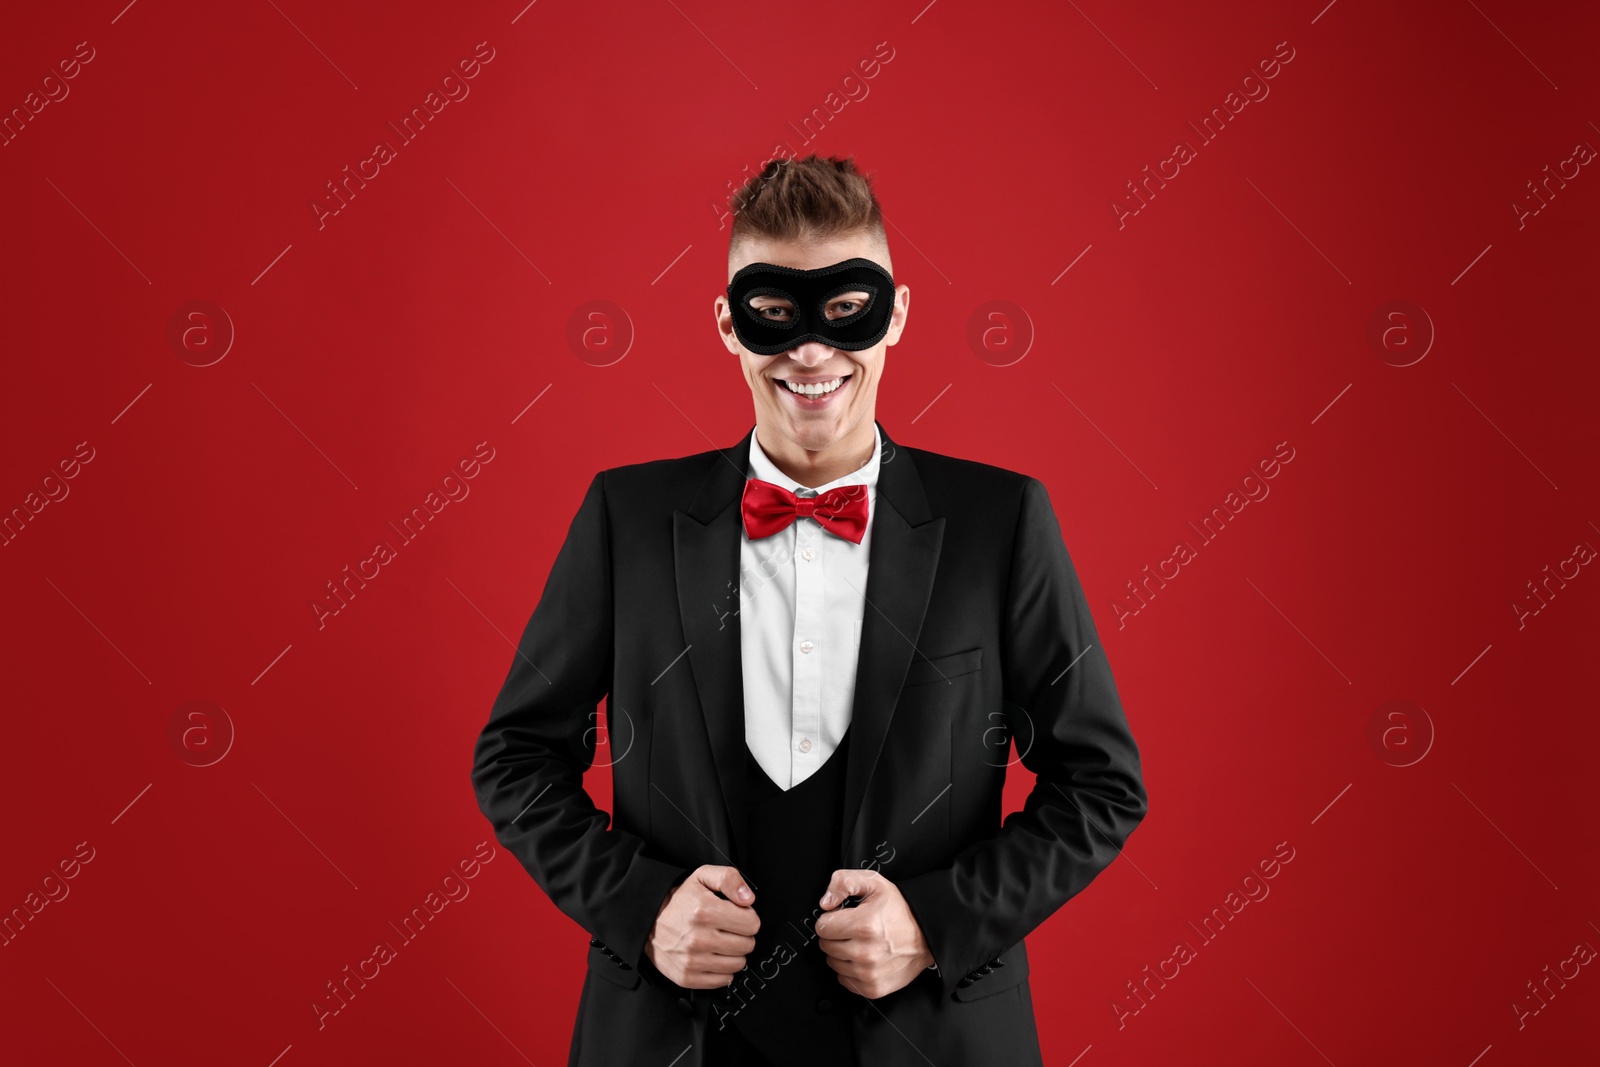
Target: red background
(376,351)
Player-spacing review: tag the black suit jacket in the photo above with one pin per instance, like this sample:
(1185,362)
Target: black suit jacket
(975,632)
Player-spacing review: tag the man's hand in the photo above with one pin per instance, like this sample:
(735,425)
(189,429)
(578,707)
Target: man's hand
(875,947)
(700,939)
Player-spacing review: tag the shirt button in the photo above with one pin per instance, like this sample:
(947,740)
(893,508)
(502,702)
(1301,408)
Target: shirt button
(805,744)
(807,553)
(806,646)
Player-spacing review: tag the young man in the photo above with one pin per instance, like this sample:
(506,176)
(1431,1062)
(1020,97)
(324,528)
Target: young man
(817,647)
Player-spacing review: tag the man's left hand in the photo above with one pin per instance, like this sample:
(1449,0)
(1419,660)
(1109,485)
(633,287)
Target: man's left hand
(875,947)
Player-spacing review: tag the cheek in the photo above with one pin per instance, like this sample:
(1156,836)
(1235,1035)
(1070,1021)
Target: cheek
(871,370)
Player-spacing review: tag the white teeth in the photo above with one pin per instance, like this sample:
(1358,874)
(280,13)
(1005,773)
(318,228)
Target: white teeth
(817,389)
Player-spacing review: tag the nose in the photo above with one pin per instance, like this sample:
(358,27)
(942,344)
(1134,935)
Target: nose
(811,354)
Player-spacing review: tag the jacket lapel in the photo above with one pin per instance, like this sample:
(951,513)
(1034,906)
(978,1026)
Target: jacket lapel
(706,540)
(900,568)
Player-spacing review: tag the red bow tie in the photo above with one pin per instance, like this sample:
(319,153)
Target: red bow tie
(768,508)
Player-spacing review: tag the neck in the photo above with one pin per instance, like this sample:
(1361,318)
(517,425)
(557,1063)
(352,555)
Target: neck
(813,468)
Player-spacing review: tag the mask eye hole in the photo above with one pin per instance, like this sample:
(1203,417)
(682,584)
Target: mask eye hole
(770,307)
(848,303)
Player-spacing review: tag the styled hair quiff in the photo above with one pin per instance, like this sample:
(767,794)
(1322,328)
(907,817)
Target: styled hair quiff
(814,198)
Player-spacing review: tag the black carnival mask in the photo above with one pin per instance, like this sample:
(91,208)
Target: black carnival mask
(809,292)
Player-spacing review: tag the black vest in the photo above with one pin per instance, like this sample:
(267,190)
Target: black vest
(788,1002)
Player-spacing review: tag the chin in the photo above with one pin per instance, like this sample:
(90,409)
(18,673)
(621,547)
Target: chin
(831,436)
(813,434)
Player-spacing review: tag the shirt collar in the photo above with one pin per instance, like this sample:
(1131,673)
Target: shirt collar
(763,468)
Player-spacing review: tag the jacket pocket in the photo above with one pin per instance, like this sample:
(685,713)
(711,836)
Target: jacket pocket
(942,668)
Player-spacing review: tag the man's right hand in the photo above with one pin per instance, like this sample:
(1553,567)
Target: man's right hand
(700,939)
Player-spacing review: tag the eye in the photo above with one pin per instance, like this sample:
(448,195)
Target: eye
(847,304)
(771,308)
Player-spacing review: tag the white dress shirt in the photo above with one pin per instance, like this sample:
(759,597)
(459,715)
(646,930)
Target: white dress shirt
(802,594)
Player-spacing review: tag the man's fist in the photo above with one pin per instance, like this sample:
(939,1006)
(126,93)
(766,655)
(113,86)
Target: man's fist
(875,947)
(700,939)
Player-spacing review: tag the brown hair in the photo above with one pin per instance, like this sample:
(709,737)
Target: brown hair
(806,199)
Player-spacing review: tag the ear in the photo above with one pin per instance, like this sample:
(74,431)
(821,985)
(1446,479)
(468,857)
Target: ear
(902,308)
(724,313)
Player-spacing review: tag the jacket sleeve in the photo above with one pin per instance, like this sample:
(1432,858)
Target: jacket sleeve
(1089,794)
(530,758)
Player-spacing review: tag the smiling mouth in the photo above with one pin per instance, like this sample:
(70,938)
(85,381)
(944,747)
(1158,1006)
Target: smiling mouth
(815,390)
